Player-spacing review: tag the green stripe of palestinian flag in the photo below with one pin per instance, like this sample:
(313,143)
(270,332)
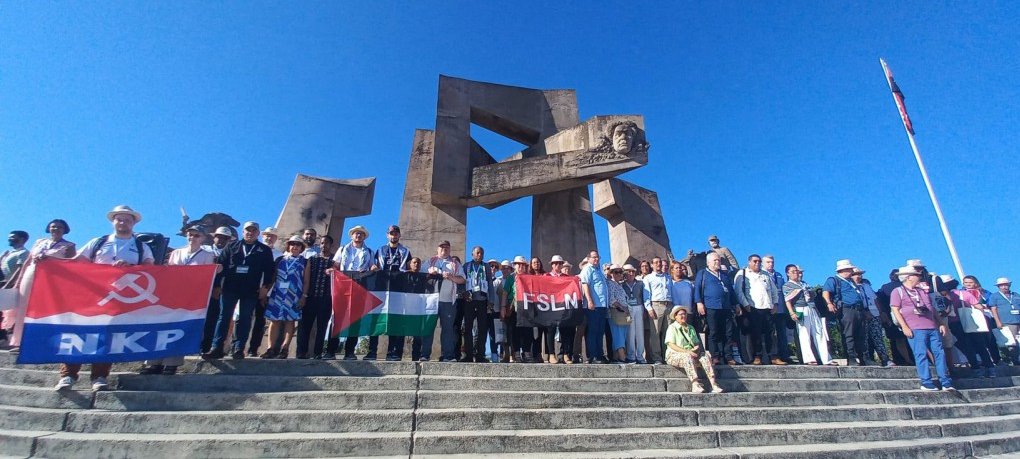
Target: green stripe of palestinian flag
(400,314)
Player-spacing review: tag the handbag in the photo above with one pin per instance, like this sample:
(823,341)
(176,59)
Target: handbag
(972,320)
(620,317)
(1003,337)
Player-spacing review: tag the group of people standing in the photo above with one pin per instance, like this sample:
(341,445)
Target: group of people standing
(654,314)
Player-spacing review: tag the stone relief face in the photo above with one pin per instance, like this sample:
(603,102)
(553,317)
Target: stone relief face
(623,137)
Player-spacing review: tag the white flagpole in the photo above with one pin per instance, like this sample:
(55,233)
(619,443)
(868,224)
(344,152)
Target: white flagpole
(927,182)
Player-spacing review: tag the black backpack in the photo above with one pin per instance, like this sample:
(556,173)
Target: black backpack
(99,241)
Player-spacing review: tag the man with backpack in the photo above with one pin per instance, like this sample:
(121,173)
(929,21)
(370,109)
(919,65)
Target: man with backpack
(121,248)
(845,300)
(758,295)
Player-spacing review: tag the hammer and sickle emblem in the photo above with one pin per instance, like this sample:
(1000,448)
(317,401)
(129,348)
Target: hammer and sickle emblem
(128,281)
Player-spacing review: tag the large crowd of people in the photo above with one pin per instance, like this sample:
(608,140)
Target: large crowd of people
(664,312)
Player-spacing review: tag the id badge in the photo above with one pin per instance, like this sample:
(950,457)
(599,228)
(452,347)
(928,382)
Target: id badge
(1015,312)
(242,269)
(284,285)
(478,288)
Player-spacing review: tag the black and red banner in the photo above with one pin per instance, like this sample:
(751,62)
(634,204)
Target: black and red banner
(547,301)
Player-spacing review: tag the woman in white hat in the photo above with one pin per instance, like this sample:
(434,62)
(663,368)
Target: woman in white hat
(619,314)
(287,296)
(685,351)
(520,337)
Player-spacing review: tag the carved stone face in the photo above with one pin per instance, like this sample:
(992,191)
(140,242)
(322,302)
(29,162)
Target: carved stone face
(623,137)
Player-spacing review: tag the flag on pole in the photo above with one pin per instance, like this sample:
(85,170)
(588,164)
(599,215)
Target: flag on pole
(384,303)
(90,313)
(898,95)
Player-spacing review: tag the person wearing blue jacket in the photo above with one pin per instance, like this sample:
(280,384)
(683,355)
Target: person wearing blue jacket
(713,293)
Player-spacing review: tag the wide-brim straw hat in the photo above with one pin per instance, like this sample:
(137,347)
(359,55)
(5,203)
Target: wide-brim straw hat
(357,229)
(123,210)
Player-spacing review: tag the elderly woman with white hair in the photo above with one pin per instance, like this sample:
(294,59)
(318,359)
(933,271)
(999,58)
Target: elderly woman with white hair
(913,311)
(685,351)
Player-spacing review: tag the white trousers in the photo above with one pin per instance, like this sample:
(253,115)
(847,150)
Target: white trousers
(812,328)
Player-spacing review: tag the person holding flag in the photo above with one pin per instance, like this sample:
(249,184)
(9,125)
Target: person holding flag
(121,248)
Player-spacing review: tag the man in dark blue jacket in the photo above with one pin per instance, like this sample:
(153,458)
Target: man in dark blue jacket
(713,292)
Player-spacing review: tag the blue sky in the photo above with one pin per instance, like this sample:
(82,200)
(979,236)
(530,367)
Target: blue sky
(771,124)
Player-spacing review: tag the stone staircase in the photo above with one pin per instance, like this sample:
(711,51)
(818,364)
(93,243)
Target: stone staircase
(307,408)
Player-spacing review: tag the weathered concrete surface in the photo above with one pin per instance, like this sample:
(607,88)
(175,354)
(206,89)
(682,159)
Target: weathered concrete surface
(565,440)
(636,229)
(562,224)
(206,401)
(260,383)
(574,157)
(324,204)
(46,397)
(23,418)
(240,422)
(507,419)
(424,224)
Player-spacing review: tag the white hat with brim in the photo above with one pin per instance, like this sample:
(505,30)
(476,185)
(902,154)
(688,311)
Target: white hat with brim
(908,270)
(520,259)
(123,210)
(674,311)
(556,259)
(843,265)
(915,262)
(357,229)
(223,231)
(629,267)
(491,261)
(859,270)
(505,263)
(1002,280)
(297,240)
(567,264)
(613,267)
(270,230)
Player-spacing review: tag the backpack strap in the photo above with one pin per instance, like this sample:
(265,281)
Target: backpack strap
(99,241)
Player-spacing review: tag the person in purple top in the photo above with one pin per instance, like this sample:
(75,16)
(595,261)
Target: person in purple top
(913,311)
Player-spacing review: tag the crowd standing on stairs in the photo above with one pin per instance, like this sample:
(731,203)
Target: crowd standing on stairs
(689,314)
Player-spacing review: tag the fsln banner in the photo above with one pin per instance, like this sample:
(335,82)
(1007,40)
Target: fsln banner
(89,313)
(548,301)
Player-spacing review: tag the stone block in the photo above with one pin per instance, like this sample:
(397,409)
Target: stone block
(324,204)
(636,228)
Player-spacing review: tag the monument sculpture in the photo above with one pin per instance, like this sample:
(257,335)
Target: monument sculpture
(324,204)
(449,171)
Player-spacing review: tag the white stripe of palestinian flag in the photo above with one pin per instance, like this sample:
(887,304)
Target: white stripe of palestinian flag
(400,314)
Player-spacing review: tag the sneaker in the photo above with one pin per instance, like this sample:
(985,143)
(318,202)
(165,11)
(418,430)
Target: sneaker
(778,362)
(369,357)
(153,370)
(65,383)
(214,354)
(697,388)
(929,388)
(269,354)
(716,389)
(170,370)
(392,358)
(100,384)
(350,357)
(949,388)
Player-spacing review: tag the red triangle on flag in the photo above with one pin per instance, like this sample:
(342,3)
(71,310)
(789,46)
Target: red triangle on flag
(351,302)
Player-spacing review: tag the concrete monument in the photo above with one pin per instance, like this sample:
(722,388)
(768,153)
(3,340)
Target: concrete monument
(450,172)
(324,204)
(636,229)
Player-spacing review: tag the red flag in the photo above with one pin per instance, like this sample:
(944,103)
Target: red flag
(898,95)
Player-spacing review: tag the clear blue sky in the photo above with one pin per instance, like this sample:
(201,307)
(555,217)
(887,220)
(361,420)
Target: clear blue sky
(770,123)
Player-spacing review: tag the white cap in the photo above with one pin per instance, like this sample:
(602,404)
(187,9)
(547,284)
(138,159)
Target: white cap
(520,259)
(505,263)
(1002,280)
(628,267)
(915,262)
(614,267)
(270,230)
(224,231)
(556,259)
(249,224)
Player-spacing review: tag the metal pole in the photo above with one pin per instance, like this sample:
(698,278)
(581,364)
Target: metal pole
(927,182)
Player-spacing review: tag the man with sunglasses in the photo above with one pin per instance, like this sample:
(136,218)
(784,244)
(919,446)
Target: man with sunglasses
(758,295)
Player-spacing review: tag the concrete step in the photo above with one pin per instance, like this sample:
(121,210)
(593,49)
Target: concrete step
(262,383)
(983,446)
(269,401)
(26,418)
(506,383)
(76,445)
(19,443)
(673,438)
(239,422)
(46,397)
(292,367)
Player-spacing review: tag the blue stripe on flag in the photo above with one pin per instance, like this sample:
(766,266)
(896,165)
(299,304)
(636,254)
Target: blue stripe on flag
(51,343)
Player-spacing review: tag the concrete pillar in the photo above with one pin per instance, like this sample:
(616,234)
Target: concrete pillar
(636,229)
(422,223)
(324,204)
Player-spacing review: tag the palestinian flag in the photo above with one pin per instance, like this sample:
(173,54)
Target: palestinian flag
(384,303)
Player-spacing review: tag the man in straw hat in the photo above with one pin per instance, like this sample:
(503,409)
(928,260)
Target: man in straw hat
(913,310)
(121,248)
(846,301)
(355,256)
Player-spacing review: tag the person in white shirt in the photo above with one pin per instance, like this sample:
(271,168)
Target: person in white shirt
(269,237)
(310,236)
(192,254)
(757,293)
(447,271)
(658,303)
(356,257)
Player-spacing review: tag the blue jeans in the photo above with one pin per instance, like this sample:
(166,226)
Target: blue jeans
(593,337)
(923,342)
(447,331)
(243,325)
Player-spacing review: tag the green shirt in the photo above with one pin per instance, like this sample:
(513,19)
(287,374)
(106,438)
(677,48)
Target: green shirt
(684,336)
